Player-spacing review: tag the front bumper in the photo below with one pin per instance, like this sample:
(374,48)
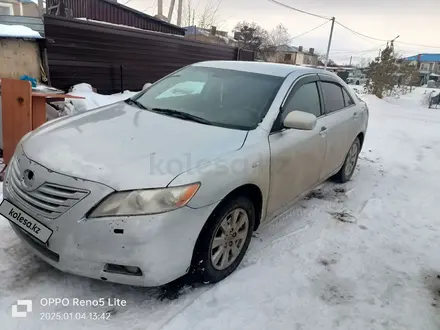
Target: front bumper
(160,245)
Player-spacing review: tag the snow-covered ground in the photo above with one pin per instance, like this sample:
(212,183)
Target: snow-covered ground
(364,255)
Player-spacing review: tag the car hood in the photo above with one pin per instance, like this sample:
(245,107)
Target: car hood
(126,148)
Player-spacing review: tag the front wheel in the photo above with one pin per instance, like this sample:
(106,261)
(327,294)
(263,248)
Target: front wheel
(347,170)
(224,240)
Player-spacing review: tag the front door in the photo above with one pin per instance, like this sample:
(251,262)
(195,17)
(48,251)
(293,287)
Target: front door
(296,155)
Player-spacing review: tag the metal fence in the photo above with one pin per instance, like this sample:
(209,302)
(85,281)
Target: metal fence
(112,12)
(112,58)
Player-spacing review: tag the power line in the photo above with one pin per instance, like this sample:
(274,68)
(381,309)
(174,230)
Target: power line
(317,27)
(346,27)
(358,33)
(417,45)
(350,52)
(125,3)
(299,10)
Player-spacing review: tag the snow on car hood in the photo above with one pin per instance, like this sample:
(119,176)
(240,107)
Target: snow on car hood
(128,148)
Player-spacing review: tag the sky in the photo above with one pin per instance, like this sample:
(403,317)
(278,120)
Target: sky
(413,21)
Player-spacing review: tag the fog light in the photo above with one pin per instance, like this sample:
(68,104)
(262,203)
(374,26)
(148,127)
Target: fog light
(132,269)
(122,269)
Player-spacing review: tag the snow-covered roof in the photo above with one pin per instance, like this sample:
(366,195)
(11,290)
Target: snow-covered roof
(287,48)
(18,31)
(424,58)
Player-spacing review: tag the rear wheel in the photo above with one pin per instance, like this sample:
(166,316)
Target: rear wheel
(224,240)
(347,170)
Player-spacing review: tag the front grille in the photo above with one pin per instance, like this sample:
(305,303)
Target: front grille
(48,200)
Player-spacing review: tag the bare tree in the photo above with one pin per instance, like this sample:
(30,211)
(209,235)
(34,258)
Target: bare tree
(279,36)
(204,17)
(408,76)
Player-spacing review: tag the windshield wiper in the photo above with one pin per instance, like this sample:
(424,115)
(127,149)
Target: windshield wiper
(136,103)
(181,115)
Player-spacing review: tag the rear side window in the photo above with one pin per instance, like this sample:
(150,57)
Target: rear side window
(333,97)
(348,101)
(306,99)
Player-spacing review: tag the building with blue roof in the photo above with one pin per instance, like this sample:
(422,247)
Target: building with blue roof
(428,64)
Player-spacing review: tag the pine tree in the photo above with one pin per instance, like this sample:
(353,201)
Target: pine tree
(382,73)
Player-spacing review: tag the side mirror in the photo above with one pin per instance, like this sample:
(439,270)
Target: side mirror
(300,120)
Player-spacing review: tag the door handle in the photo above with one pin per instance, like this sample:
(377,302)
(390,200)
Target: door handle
(355,115)
(323,130)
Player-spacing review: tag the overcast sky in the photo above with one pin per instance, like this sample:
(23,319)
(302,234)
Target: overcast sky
(416,21)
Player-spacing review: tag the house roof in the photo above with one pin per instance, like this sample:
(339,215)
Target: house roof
(287,49)
(32,23)
(425,58)
(292,49)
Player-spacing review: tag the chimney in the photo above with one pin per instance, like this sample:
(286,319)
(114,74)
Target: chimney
(213,30)
(300,48)
(311,51)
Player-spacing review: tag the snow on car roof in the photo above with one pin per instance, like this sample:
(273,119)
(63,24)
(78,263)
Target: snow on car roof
(274,69)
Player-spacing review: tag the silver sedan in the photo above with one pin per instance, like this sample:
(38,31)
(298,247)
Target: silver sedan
(175,179)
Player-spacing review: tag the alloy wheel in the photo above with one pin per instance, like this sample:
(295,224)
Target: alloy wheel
(351,159)
(229,238)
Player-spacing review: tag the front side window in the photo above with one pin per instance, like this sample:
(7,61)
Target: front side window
(228,98)
(333,97)
(305,98)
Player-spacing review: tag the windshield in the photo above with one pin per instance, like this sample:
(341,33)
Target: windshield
(228,98)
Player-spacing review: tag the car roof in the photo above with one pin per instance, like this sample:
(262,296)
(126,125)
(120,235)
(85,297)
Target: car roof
(273,69)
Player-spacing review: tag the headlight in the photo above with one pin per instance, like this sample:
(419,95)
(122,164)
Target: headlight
(149,201)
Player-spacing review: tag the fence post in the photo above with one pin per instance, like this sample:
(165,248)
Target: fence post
(122,78)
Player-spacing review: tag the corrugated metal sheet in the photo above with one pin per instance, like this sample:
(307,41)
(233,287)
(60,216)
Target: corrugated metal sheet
(34,23)
(113,12)
(82,51)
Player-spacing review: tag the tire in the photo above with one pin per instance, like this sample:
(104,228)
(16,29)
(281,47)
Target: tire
(347,169)
(206,266)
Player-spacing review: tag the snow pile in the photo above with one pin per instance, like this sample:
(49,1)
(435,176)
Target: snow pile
(18,31)
(92,100)
(363,255)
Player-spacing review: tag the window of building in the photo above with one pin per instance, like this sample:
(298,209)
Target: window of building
(287,57)
(6,9)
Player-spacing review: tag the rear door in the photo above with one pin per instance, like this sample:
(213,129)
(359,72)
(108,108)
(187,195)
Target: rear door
(338,123)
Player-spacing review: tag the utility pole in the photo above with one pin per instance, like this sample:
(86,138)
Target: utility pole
(329,43)
(160,8)
(40,7)
(179,12)
(351,58)
(170,11)
(392,44)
